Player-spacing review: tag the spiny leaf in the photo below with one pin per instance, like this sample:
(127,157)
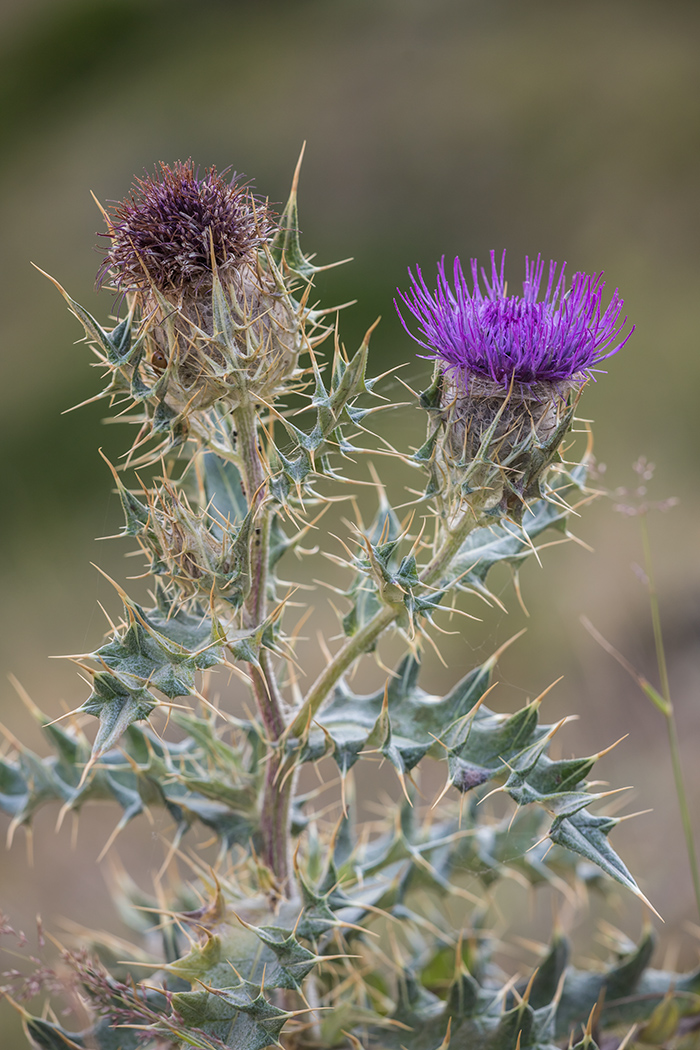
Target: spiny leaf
(629,990)
(143,653)
(240,1017)
(586,835)
(116,346)
(309,449)
(256,953)
(512,543)
(295,961)
(155,773)
(117,700)
(47,1036)
(415,717)
(224,488)
(285,247)
(491,743)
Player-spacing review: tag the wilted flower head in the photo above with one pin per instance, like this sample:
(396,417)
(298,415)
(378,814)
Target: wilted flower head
(217,318)
(519,339)
(165,232)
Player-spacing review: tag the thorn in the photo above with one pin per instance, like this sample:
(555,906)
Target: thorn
(493,659)
(402,781)
(11,738)
(518,592)
(497,791)
(628,1037)
(538,699)
(638,893)
(444,791)
(445,1044)
(112,838)
(594,1014)
(354,1041)
(586,547)
(119,589)
(525,538)
(528,990)
(105,215)
(600,754)
(538,843)
(644,684)
(470,714)
(629,816)
(297,170)
(343,800)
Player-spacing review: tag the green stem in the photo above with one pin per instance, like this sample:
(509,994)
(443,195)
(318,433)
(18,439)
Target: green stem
(683,805)
(655,615)
(669,714)
(450,547)
(360,642)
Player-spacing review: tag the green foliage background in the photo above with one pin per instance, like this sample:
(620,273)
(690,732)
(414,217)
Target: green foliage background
(433,126)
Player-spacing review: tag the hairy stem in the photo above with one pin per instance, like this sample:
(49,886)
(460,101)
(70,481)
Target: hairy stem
(254,479)
(276,808)
(669,714)
(276,798)
(450,546)
(358,644)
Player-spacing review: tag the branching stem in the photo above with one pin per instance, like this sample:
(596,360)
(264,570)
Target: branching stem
(363,640)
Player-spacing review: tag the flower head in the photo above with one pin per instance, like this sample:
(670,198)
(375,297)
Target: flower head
(166,232)
(216,316)
(520,339)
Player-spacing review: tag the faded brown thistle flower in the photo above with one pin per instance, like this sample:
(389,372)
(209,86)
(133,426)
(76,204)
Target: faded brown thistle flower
(166,233)
(217,318)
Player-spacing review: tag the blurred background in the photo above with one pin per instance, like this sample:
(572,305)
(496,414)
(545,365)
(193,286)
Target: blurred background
(433,127)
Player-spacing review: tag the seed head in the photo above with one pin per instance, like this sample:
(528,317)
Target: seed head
(165,232)
(511,339)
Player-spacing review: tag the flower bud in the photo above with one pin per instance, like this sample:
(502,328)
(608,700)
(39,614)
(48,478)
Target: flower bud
(192,551)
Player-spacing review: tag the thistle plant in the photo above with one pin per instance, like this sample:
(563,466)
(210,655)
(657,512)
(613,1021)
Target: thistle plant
(306,925)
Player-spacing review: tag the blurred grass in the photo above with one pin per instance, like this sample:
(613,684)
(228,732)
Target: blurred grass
(433,126)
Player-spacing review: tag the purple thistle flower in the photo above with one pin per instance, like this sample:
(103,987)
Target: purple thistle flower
(166,230)
(511,338)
